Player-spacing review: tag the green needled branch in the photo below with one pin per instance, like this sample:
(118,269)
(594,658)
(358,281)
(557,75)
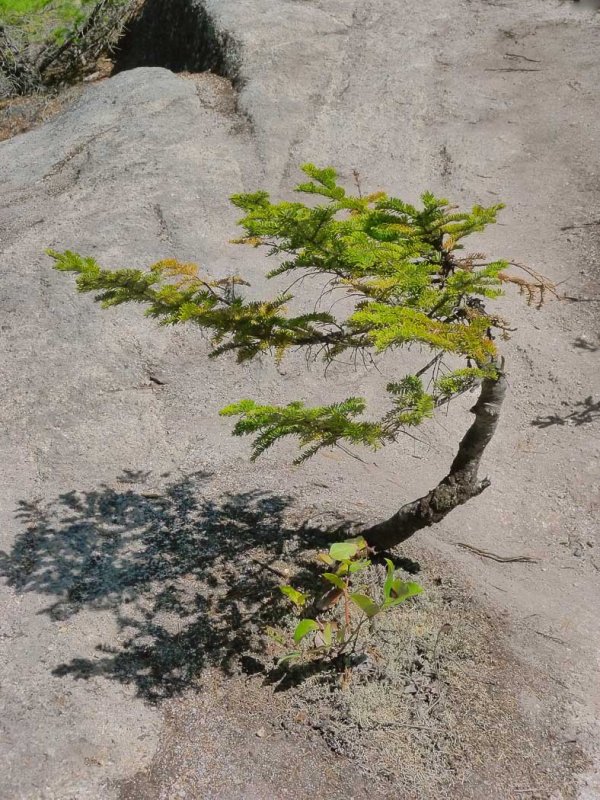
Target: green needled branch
(406,282)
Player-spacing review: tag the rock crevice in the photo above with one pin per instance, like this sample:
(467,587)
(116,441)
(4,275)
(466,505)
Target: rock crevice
(180,35)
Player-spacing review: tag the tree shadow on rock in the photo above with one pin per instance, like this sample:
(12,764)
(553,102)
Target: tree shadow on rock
(582,413)
(190,578)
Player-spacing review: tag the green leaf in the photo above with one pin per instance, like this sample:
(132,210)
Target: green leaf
(359,541)
(326,558)
(323,638)
(289,657)
(389,579)
(401,591)
(414,589)
(405,589)
(303,628)
(343,551)
(368,606)
(357,566)
(297,598)
(335,579)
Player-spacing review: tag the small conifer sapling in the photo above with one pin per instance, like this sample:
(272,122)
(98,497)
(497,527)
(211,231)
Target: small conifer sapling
(411,285)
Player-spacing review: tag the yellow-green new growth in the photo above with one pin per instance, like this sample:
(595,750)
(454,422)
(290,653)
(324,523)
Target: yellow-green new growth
(402,266)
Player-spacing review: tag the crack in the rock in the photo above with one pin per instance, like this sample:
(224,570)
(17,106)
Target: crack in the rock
(180,35)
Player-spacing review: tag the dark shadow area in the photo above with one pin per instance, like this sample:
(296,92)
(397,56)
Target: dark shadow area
(584,344)
(190,578)
(582,413)
(179,35)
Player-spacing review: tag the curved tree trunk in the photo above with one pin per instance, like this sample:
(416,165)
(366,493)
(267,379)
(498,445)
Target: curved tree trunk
(459,485)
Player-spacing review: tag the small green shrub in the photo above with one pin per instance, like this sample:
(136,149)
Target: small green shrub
(331,634)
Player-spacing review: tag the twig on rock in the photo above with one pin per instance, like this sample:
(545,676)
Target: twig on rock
(495,557)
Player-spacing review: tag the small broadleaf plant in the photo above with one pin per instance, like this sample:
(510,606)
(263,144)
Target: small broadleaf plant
(333,635)
(410,284)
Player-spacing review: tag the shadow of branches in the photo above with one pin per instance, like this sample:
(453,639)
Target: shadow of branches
(582,413)
(190,578)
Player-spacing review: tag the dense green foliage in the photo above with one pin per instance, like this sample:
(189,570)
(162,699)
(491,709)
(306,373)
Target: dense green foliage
(400,266)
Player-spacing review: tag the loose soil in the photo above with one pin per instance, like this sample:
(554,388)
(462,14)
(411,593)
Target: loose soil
(21,114)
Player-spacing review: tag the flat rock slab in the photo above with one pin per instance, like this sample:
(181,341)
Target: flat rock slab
(477,101)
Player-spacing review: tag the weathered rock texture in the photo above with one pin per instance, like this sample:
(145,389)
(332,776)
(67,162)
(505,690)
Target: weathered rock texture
(475,100)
